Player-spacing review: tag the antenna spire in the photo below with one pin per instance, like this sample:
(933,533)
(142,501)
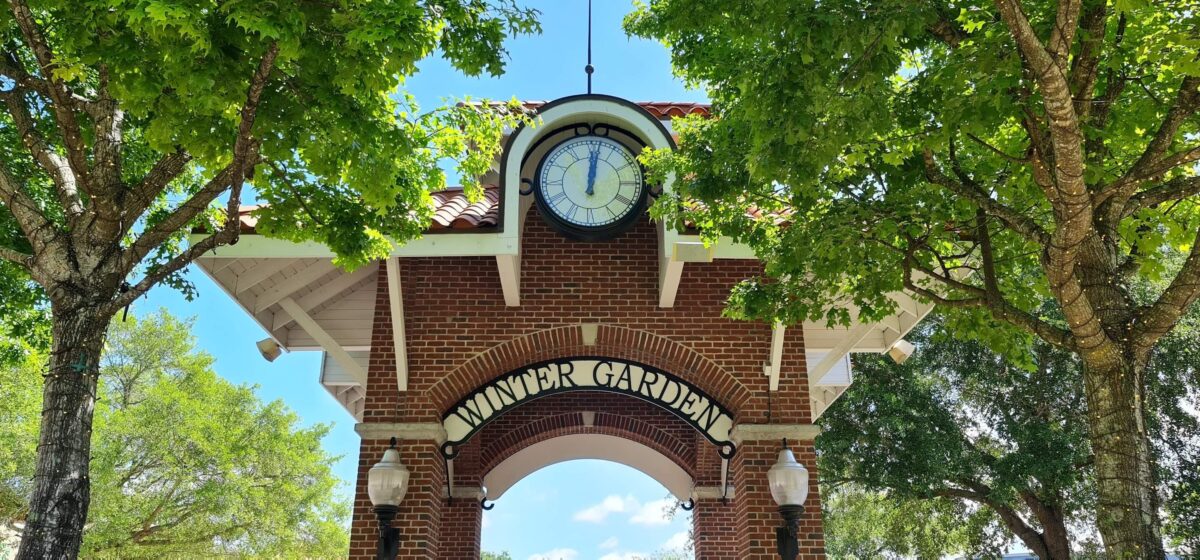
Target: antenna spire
(589,68)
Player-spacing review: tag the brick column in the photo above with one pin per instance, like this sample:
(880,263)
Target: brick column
(714,529)
(756,512)
(421,512)
(462,517)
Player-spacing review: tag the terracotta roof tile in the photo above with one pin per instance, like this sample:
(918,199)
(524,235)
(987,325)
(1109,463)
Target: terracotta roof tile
(659,109)
(451,211)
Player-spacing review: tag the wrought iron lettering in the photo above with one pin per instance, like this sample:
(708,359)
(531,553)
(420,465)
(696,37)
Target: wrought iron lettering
(588,373)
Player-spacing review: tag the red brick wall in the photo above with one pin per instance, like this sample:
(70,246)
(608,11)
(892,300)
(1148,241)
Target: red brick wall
(460,334)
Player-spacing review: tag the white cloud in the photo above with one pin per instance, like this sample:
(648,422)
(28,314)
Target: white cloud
(612,504)
(652,513)
(625,556)
(678,541)
(487,521)
(557,554)
(611,542)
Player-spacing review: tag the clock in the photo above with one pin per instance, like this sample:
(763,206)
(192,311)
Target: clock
(590,187)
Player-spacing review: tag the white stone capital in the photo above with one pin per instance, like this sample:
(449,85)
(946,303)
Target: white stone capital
(409,431)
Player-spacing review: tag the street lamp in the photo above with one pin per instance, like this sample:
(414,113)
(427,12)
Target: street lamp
(387,483)
(789,488)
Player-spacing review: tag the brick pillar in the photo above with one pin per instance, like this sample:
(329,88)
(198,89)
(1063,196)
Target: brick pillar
(714,529)
(462,517)
(421,511)
(758,516)
(462,525)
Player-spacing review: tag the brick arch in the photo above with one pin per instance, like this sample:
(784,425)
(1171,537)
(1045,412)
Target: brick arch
(612,341)
(547,428)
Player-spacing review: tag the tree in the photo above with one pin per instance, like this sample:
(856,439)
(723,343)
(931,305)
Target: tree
(981,154)
(185,463)
(129,123)
(960,423)
(496,555)
(871,525)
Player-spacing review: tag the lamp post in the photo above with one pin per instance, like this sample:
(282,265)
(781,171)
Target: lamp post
(387,483)
(789,488)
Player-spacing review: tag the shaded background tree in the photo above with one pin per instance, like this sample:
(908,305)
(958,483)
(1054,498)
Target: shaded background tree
(984,154)
(960,427)
(128,123)
(862,524)
(185,463)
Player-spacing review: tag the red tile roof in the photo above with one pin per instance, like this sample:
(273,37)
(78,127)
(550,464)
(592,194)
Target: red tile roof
(659,109)
(452,210)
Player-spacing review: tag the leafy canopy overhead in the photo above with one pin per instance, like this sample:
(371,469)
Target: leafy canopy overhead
(126,119)
(882,131)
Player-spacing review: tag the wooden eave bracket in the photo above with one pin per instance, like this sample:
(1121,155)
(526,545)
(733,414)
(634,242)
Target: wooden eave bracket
(509,267)
(775,362)
(822,394)
(396,301)
(331,346)
(673,253)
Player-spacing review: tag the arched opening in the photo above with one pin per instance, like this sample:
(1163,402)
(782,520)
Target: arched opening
(588,509)
(658,432)
(604,447)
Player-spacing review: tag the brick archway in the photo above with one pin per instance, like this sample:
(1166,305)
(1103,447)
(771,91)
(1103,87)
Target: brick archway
(569,415)
(652,435)
(549,429)
(610,341)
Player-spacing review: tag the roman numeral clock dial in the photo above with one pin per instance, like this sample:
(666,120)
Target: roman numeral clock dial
(590,187)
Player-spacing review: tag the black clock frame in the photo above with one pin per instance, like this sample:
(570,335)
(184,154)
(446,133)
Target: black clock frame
(568,229)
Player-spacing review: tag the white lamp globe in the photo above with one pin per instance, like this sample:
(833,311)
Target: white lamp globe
(387,481)
(788,479)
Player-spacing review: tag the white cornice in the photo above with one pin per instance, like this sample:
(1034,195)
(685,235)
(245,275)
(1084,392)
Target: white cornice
(759,432)
(403,431)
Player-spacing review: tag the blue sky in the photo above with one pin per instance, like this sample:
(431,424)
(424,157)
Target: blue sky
(580,510)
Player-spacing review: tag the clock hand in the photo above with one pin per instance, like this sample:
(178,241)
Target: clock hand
(595,155)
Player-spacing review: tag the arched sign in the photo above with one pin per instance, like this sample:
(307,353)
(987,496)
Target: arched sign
(588,373)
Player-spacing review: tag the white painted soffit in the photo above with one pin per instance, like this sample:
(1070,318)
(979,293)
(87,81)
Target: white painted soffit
(827,350)
(302,303)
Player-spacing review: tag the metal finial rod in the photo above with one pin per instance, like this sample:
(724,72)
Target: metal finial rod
(589,68)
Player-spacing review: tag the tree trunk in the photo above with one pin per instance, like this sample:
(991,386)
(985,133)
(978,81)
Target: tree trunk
(59,503)
(1058,541)
(1126,512)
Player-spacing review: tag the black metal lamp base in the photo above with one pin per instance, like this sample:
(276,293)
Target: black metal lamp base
(389,537)
(786,536)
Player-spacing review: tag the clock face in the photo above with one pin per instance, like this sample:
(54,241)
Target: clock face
(590,184)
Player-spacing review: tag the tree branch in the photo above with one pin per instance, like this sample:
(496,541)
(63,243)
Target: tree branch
(999,307)
(62,98)
(109,139)
(165,170)
(245,157)
(1155,320)
(1008,515)
(1072,201)
(1175,189)
(1019,223)
(1085,68)
(16,257)
(1154,161)
(24,209)
(1062,37)
(46,157)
